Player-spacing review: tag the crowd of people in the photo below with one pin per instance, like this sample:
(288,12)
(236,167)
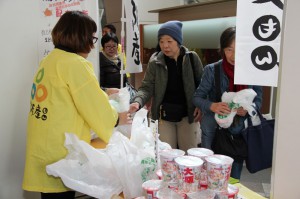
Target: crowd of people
(182,94)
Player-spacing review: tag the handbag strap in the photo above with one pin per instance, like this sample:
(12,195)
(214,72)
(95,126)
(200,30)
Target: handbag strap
(217,82)
(261,118)
(193,67)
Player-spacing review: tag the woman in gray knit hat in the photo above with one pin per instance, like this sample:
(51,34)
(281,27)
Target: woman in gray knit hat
(171,78)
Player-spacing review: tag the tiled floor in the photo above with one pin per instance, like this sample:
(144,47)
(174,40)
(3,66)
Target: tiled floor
(258,182)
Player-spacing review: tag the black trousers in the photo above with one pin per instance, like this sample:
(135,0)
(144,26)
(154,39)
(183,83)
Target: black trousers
(61,195)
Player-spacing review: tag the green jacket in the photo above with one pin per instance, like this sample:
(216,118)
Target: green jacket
(155,81)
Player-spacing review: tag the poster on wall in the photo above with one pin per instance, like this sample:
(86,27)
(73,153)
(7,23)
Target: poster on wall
(51,11)
(258,36)
(133,48)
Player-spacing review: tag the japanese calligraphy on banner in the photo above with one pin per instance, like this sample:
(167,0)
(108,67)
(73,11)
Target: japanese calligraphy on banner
(258,35)
(51,11)
(133,50)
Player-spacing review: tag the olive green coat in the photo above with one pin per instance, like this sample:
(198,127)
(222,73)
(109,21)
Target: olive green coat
(155,81)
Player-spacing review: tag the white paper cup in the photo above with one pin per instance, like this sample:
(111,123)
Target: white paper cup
(189,170)
(167,193)
(151,187)
(204,194)
(218,172)
(201,153)
(159,174)
(232,191)
(168,166)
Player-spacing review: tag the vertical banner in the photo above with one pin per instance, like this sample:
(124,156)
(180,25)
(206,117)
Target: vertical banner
(133,50)
(258,36)
(51,11)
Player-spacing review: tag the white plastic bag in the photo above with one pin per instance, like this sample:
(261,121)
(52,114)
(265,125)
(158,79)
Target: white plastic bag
(142,137)
(225,121)
(86,169)
(243,98)
(134,159)
(120,101)
(126,161)
(123,166)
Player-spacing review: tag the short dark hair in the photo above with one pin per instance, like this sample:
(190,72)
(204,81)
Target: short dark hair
(227,38)
(74,30)
(111,27)
(108,37)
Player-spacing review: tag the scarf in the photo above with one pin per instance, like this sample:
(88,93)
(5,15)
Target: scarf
(113,59)
(229,71)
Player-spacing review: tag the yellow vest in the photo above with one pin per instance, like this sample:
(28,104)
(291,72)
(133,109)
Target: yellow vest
(65,97)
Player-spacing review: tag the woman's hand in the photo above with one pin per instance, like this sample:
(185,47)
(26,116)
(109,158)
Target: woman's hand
(220,108)
(134,107)
(125,118)
(197,115)
(241,111)
(110,91)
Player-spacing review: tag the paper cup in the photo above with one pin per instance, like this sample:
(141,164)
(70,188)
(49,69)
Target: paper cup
(151,187)
(205,194)
(189,171)
(159,174)
(201,153)
(167,193)
(232,191)
(218,172)
(168,166)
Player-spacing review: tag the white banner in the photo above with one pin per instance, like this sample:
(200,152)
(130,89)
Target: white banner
(51,11)
(133,49)
(258,36)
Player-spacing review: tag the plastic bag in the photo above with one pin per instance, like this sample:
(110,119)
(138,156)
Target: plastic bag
(243,98)
(86,169)
(133,159)
(126,161)
(123,166)
(120,101)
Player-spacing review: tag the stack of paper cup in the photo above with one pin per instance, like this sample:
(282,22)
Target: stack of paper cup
(201,153)
(189,170)
(151,187)
(218,172)
(167,193)
(159,174)
(168,166)
(232,193)
(203,194)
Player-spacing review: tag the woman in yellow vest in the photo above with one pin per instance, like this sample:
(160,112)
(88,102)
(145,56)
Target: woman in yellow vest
(65,97)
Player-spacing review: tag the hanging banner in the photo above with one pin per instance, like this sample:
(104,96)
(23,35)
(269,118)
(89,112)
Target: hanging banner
(133,50)
(51,11)
(258,35)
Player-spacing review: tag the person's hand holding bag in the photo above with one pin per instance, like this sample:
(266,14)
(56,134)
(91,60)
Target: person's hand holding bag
(124,118)
(134,107)
(220,108)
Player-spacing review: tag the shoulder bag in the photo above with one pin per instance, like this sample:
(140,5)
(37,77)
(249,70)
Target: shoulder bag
(226,143)
(260,144)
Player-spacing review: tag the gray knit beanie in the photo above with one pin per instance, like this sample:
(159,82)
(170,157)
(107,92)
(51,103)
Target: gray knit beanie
(173,29)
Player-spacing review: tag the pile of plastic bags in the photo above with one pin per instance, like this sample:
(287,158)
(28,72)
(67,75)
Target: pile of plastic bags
(122,166)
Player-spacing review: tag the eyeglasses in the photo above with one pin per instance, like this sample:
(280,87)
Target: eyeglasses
(110,47)
(95,39)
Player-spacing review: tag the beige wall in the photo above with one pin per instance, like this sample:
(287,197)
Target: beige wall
(286,162)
